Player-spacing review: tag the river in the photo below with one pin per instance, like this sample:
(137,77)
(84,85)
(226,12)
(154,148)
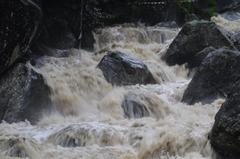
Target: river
(89,121)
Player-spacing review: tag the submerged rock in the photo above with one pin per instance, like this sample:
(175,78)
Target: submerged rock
(215,78)
(140,104)
(120,69)
(19,147)
(225,134)
(133,107)
(80,135)
(24,95)
(19,21)
(193,38)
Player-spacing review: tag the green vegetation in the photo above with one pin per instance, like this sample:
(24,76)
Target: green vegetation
(212,11)
(185,6)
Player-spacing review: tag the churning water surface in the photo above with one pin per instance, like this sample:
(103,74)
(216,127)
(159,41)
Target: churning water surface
(89,122)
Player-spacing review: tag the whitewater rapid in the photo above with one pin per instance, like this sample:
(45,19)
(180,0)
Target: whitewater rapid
(89,121)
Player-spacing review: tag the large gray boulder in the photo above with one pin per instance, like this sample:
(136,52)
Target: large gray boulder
(215,77)
(193,38)
(120,69)
(24,95)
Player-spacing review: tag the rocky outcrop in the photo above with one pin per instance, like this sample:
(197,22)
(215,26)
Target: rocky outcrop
(24,95)
(19,21)
(193,38)
(120,69)
(67,24)
(225,134)
(215,78)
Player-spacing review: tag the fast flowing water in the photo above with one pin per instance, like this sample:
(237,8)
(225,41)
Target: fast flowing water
(89,122)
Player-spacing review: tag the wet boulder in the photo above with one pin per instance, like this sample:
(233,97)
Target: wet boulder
(193,38)
(24,95)
(225,134)
(19,21)
(215,77)
(120,69)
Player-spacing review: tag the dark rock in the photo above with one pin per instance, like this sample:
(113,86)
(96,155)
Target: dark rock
(17,147)
(70,23)
(75,21)
(205,9)
(58,34)
(193,38)
(225,5)
(82,135)
(215,77)
(72,136)
(169,24)
(120,69)
(58,27)
(225,134)
(24,95)
(133,107)
(67,24)
(38,50)
(199,57)
(172,10)
(19,21)
(61,23)
(236,40)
